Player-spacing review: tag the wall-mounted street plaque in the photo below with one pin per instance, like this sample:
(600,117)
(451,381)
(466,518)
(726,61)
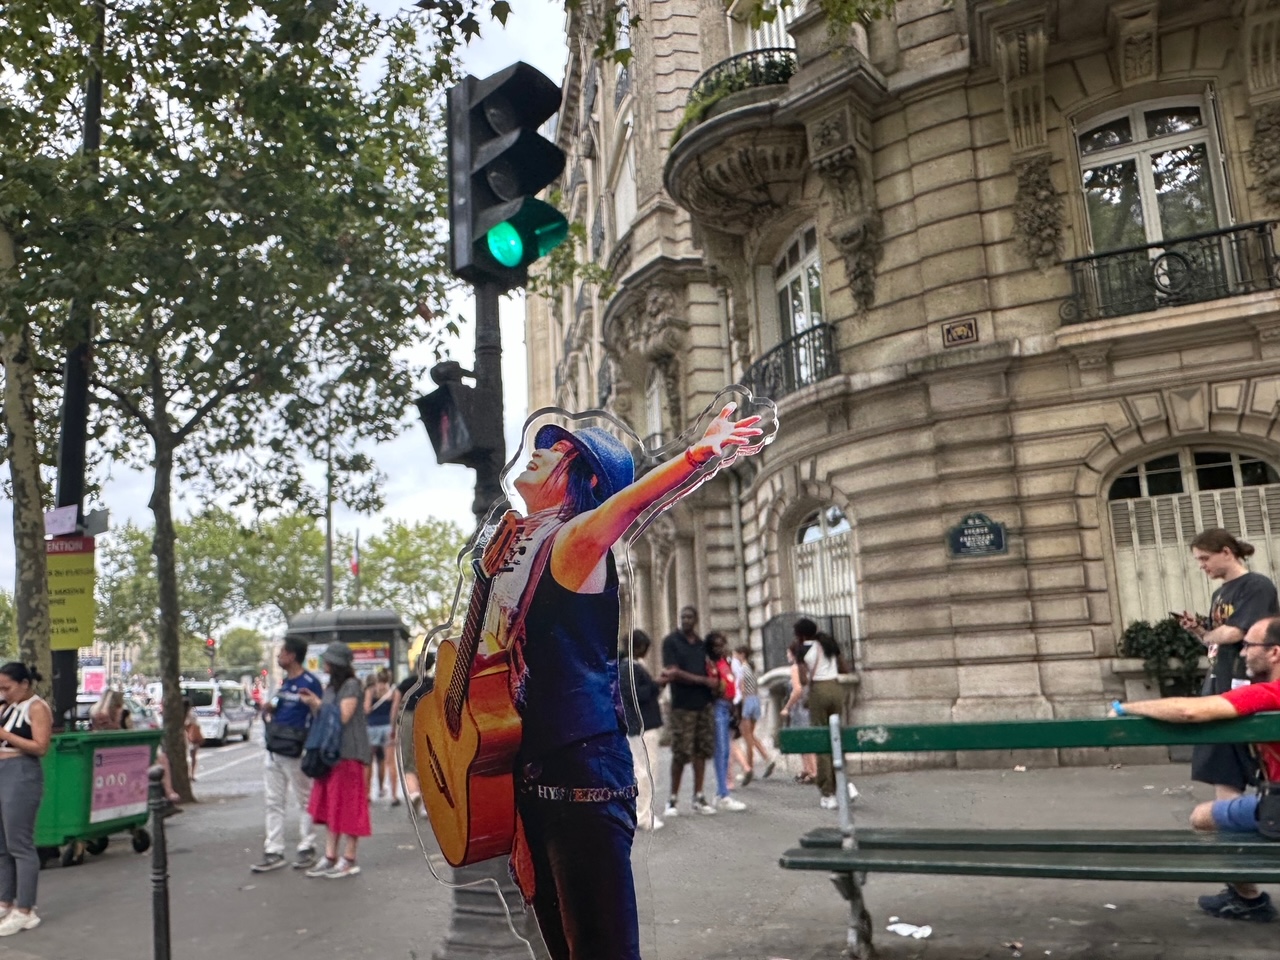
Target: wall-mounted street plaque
(957,332)
(977,535)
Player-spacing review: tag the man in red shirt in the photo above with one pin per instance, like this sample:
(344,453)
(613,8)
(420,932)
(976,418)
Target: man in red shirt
(1261,645)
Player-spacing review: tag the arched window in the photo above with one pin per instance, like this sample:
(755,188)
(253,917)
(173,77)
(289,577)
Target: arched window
(824,566)
(1158,506)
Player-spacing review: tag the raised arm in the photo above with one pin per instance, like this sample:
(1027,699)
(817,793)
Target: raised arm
(588,537)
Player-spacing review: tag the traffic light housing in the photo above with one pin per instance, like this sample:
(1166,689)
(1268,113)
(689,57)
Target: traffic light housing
(497,162)
(210,647)
(459,431)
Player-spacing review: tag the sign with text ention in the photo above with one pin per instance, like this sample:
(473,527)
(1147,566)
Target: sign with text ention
(71,602)
(119,782)
(977,535)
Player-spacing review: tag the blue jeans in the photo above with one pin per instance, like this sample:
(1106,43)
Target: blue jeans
(1237,815)
(723,707)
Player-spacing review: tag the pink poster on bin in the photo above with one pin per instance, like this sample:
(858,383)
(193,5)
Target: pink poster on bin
(119,782)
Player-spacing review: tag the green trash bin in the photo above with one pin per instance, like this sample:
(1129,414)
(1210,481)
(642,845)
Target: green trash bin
(95,784)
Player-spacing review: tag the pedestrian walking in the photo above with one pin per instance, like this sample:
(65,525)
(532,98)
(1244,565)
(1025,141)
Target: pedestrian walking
(826,700)
(795,711)
(749,689)
(644,723)
(1243,599)
(340,798)
(693,693)
(109,712)
(718,656)
(287,719)
(408,692)
(378,700)
(195,736)
(26,724)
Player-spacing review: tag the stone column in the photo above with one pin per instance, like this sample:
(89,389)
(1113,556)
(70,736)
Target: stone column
(478,927)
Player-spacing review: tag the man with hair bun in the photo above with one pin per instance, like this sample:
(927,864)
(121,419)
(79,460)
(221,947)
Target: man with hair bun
(1243,599)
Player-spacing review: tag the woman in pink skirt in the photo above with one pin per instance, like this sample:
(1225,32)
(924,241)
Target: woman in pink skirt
(340,799)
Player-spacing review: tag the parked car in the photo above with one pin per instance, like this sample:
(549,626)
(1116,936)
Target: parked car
(141,717)
(221,708)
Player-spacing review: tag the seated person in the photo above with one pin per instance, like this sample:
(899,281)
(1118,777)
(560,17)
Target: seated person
(1261,646)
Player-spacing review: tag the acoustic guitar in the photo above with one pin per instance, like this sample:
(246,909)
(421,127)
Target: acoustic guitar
(466,731)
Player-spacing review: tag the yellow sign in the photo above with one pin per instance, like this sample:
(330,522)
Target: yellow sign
(71,603)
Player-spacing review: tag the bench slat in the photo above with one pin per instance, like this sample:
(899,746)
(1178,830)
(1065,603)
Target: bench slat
(1082,841)
(1033,734)
(1028,863)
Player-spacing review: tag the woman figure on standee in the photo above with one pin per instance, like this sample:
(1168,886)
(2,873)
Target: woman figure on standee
(26,724)
(340,799)
(795,712)
(1243,599)
(378,701)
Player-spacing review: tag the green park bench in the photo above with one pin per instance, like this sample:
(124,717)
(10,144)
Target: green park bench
(1104,854)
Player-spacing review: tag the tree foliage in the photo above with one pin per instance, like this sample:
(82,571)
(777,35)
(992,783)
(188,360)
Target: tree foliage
(412,568)
(8,626)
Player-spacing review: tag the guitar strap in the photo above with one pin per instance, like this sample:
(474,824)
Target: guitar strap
(542,556)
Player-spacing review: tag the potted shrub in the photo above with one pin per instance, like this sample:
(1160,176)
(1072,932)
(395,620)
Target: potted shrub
(1170,655)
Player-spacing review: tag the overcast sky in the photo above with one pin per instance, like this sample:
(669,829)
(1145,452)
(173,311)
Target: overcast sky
(416,486)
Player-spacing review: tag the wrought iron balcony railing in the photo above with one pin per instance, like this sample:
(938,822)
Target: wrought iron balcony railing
(806,358)
(755,68)
(1228,262)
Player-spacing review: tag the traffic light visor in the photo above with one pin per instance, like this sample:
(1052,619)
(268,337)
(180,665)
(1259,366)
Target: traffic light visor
(530,229)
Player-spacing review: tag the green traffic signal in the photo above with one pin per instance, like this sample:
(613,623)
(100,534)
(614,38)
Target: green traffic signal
(529,232)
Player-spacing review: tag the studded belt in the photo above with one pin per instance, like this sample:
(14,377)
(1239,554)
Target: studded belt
(580,794)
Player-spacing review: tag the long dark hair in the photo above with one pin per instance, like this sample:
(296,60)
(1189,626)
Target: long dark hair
(338,675)
(830,649)
(19,672)
(580,495)
(710,642)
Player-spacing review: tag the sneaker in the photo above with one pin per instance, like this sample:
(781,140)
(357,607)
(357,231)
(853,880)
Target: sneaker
(748,776)
(269,862)
(1228,905)
(16,921)
(343,868)
(700,805)
(730,805)
(321,867)
(657,824)
(671,810)
(853,792)
(828,803)
(304,859)
(395,801)
(769,768)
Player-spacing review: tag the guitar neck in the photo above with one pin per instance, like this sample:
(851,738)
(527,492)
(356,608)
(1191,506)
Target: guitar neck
(468,645)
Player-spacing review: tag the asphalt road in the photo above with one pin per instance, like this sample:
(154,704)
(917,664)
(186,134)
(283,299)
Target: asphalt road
(709,887)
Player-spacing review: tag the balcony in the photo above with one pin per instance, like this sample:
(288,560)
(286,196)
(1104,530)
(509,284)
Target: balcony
(805,359)
(1228,262)
(746,71)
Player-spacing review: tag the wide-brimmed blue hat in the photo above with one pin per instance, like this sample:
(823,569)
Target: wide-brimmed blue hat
(609,460)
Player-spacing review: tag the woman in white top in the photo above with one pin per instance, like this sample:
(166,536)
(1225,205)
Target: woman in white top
(826,699)
(26,724)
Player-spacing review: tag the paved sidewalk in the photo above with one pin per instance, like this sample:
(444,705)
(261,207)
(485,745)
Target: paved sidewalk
(710,887)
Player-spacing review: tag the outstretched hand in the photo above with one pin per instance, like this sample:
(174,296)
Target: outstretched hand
(726,438)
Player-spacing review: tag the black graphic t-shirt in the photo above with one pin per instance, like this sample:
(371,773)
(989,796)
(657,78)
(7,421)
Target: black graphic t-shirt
(1240,603)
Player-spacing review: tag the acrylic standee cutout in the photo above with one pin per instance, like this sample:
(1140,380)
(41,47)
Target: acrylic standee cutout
(518,745)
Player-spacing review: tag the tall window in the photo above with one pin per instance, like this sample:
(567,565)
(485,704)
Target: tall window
(824,566)
(1151,174)
(798,277)
(655,391)
(1157,507)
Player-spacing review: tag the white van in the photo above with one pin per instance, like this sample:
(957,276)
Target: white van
(221,708)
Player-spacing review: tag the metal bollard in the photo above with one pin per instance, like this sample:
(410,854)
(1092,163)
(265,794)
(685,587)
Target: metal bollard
(158,804)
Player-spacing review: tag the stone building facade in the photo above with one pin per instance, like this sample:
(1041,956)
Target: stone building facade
(1008,258)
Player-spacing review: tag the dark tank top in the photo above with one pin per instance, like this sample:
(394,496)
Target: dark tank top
(570,689)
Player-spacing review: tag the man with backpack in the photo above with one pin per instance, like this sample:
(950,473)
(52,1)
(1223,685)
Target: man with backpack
(287,719)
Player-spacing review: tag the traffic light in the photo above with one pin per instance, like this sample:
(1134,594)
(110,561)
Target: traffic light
(210,647)
(497,162)
(459,432)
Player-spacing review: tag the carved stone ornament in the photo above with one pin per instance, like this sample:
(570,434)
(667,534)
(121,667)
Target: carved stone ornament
(1264,153)
(856,225)
(1133,28)
(1037,212)
(1020,58)
(730,270)
(1260,30)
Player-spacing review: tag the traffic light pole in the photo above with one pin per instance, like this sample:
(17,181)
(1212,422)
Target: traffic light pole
(488,371)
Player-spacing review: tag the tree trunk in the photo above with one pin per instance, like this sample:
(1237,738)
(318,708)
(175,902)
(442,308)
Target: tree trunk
(164,548)
(31,586)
